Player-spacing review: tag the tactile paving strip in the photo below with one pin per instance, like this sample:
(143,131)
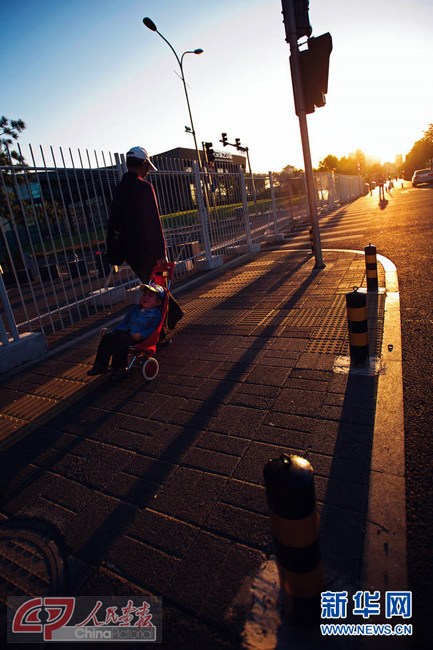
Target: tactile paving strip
(328,336)
(22,415)
(332,336)
(324,346)
(257,316)
(219,317)
(303,317)
(262,264)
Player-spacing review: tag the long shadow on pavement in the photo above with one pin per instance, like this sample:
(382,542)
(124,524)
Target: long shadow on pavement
(343,518)
(96,547)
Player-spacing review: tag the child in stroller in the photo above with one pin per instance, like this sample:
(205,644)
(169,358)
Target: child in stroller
(138,324)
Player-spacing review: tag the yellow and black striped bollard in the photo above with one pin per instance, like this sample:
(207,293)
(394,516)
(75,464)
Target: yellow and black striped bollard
(357,321)
(371,268)
(291,499)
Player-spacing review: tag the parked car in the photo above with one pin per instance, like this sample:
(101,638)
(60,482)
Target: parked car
(422,176)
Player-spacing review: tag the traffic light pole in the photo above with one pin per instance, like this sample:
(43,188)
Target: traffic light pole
(239,147)
(299,99)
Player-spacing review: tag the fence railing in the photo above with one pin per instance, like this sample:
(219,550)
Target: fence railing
(53,215)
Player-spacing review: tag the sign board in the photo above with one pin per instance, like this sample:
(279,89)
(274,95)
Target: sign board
(223,155)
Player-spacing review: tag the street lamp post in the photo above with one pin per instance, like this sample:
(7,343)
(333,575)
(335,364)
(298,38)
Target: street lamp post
(151,25)
(211,261)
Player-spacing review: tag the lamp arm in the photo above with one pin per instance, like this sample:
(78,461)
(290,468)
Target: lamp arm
(171,48)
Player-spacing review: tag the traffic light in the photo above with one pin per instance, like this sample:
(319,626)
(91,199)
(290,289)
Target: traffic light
(210,153)
(314,64)
(302,19)
(224,139)
(238,143)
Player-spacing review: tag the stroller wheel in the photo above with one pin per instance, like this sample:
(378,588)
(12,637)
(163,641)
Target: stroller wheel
(150,369)
(103,331)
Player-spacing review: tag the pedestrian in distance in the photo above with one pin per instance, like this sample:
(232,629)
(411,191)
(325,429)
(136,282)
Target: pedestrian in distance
(381,183)
(134,232)
(137,325)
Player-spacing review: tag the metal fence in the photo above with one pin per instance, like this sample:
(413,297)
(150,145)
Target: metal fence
(53,215)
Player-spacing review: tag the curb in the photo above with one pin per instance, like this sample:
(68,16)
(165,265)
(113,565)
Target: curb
(385,557)
(384,561)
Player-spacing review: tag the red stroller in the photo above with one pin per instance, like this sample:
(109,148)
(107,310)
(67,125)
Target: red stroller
(143,354)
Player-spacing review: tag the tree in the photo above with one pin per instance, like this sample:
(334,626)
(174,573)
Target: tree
(347,166)
(328,164)
(9,132)
(421,154)
(11,129)
(292,170)
(9,205)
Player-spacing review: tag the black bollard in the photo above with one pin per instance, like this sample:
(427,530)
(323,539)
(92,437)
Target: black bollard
(357,321)
(371,268)
(291,499)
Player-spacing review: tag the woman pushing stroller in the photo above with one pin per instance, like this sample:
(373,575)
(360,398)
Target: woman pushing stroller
(134,231)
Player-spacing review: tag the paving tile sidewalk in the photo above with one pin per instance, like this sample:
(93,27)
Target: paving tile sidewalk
(157,488)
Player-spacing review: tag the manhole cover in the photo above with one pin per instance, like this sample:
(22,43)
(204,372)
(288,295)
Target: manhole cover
(31,562)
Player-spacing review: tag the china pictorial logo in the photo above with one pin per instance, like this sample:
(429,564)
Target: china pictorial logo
(83,619)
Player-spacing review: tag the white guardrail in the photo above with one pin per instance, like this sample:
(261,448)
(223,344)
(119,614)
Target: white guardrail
(53,215)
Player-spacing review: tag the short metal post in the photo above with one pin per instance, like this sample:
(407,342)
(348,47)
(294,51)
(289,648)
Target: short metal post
(371,268)
(357,320)
(6,305)
(310,231)
(331,191)
(203,213)
(245,208)
(291,498)
(210,261)
(274,203)
(120,165)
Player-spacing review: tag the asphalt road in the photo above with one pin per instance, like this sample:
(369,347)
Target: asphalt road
(402,231)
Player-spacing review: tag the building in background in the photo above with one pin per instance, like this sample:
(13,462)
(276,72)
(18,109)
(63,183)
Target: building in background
(176,189)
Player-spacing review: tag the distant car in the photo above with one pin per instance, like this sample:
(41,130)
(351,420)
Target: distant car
(422,176)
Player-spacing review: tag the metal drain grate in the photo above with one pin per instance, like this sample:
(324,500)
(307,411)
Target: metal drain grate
(31,562)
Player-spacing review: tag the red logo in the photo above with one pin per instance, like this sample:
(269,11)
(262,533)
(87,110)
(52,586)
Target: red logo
(43,615)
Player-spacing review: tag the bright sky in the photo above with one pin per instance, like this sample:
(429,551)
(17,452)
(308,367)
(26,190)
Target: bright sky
(88,74)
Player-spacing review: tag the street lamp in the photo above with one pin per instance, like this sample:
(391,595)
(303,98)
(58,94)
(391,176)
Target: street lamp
(151,25)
